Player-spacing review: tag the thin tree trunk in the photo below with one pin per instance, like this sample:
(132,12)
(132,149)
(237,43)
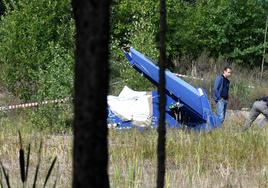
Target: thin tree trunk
(161,150)
(90,147)
(264,46)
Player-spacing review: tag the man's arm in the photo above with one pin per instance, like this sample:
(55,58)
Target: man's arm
(217,88)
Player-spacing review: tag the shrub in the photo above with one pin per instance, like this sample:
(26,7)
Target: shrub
(36,53)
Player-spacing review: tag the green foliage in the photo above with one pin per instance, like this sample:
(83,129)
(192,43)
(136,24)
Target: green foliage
(36,57)
(51,118)
(36,53)
(222,29)
(232,29)
(57,79)
(235,29)
(2,8)
(134,23)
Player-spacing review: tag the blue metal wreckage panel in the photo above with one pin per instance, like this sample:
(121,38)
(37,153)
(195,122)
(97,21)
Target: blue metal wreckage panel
(194,109)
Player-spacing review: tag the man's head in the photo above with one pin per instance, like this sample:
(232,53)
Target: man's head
(227,72)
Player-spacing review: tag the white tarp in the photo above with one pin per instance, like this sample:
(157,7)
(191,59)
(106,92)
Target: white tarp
(132,105)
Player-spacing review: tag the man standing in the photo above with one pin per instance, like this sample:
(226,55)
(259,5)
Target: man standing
(221,92)
(260,106)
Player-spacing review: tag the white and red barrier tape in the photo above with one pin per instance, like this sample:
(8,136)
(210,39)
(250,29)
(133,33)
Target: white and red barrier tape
(185,76)
(33,104)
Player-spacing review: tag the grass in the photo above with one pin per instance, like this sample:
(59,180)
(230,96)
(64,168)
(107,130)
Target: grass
(38,168)
(225,157)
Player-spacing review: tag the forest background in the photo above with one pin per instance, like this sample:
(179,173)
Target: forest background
(37,40)
(37,45)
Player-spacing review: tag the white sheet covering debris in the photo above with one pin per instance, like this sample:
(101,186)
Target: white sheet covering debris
(132,105)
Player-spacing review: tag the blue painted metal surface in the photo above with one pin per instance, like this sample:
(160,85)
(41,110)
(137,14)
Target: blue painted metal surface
(191,107)
(117,122)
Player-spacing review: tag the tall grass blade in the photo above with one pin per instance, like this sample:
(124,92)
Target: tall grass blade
(5,174)
(1,179)
(28,161)
(35,176)
(57,176)
(22,160)
(50,170)
(22,165)
(38,165)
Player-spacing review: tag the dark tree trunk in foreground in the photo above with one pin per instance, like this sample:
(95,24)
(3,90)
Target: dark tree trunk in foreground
(161,150)
(90,149)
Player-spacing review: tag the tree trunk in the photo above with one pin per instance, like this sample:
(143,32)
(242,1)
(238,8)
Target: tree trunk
(161,150)
(90,147)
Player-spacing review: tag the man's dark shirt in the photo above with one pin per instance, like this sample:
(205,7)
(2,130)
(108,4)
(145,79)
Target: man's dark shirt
(225,88)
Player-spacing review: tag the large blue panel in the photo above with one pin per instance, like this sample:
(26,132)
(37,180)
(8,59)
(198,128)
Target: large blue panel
(174,85)
(196,111)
